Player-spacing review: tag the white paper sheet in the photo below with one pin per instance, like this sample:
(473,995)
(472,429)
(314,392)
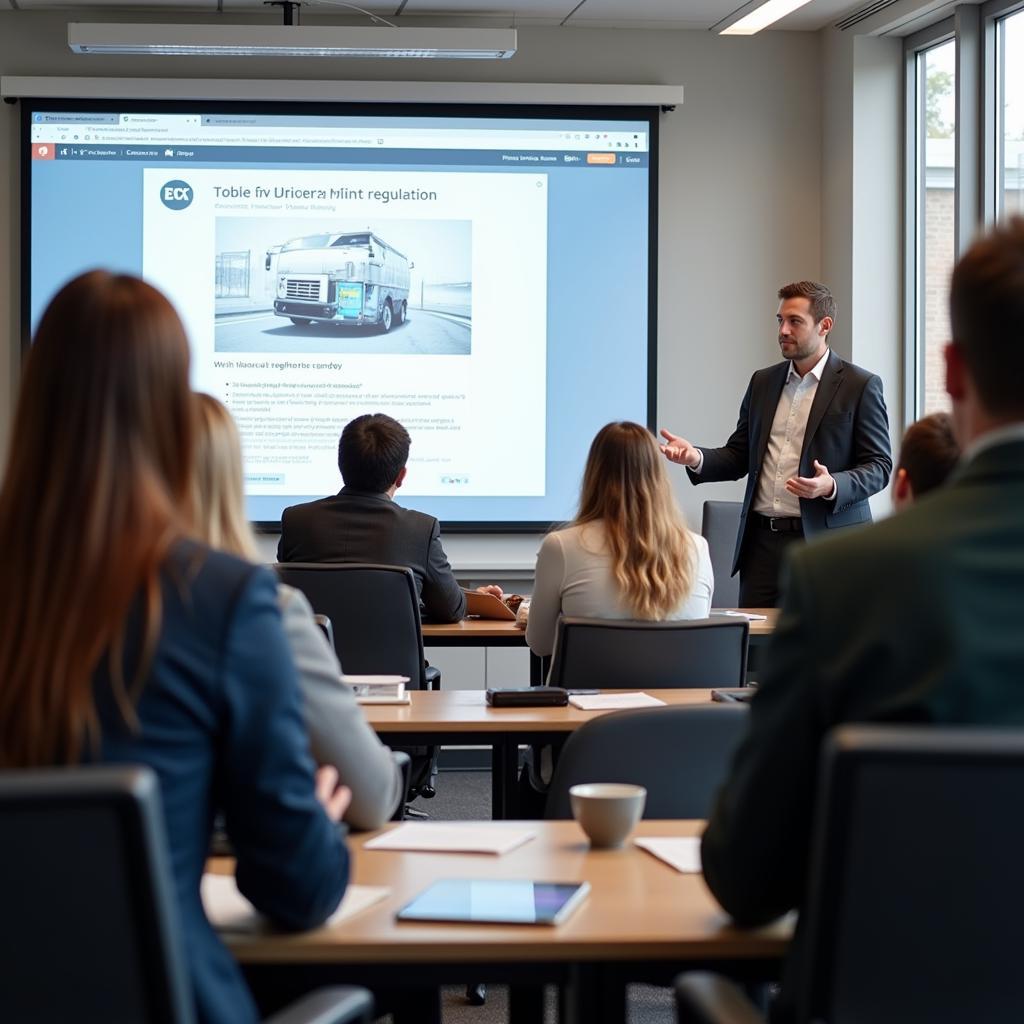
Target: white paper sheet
(736,614)
(682,852)
(478,837)
(614,701)
(229,911)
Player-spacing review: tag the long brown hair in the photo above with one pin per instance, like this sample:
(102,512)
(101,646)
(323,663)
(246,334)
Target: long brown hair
(626,489)
(99,468)
(218,496)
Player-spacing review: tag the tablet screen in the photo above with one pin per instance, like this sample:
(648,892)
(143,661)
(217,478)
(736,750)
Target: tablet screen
(496,901)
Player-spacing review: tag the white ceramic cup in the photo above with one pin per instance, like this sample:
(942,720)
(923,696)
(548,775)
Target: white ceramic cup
(607,811)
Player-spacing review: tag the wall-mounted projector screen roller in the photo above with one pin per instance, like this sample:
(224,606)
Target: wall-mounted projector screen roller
(483,274)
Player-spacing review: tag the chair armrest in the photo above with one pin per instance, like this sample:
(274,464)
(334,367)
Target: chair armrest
(404,763)
(339,1004)
(432,674)
(703,998)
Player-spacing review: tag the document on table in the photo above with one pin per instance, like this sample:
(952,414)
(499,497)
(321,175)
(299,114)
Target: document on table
(229,911)
(452,838)
(749,616)
(613,701)
(682,852)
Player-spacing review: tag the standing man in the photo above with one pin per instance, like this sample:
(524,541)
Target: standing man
(812,439)
(916,619)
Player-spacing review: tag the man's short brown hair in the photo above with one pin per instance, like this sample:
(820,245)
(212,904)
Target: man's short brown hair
(986,308)
(821,300)
(372,451)
(929,452)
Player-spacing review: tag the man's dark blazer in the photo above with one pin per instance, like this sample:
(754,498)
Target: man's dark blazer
(847,431)
(916,619)
(355,526)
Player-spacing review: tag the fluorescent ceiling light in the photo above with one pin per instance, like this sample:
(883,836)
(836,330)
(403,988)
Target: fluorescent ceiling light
(761,17)
(292,41)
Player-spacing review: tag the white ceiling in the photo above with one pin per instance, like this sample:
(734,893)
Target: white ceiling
(652,14)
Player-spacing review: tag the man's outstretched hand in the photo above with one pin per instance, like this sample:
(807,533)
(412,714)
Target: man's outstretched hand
(679,450)
(821,485)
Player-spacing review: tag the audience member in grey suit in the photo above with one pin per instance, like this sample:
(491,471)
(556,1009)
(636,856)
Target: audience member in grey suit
(362,523)
(916,619)
(338,731)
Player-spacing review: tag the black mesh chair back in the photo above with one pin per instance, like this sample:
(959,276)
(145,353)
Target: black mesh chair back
(627,654)
(89,915)
(913,910)
(720,524)
(374,612)
(679,754)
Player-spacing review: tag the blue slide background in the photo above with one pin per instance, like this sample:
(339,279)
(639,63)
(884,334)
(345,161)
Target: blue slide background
(87,213)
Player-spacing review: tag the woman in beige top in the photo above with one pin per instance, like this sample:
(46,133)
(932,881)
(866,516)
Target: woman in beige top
(628,553)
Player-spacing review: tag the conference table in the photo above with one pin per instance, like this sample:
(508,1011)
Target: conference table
(495,633)
(463,718)
(642,921)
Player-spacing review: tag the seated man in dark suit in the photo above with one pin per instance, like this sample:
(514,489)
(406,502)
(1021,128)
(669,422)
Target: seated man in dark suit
(916,619)
(929,453)
(362,523)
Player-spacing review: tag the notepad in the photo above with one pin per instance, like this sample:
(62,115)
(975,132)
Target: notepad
(378,689)
(434,837)
(614,701)
(229,911)
(682,852)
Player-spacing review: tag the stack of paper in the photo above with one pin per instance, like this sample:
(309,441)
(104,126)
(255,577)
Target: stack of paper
(682,852)
(614,701)
(229,911)
(378,689)
(452,838)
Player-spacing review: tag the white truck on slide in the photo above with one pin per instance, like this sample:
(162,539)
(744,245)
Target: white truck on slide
(351,277)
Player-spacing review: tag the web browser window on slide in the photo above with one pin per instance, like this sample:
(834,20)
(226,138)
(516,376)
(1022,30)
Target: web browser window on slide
(484,280)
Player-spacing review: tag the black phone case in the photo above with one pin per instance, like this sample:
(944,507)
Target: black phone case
(528,697)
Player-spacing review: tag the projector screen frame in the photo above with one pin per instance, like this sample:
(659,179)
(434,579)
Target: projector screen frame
(597,111)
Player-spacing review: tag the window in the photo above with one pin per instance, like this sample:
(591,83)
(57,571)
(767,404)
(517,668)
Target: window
(935,205)
(1010,115)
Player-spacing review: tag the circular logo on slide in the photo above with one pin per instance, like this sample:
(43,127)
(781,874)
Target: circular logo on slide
(176,195)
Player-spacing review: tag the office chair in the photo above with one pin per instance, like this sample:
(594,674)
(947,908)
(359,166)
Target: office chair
(90,916)
(912,910)
(680,755)
(375,616)
(626,654)
(326,628)
(719,526)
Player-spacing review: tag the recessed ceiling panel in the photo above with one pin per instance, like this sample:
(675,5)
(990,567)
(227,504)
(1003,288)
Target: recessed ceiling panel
(550,10)
(691,14)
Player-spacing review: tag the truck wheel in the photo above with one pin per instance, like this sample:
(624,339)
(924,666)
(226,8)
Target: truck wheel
(386,317)
(403,312)
(300,321)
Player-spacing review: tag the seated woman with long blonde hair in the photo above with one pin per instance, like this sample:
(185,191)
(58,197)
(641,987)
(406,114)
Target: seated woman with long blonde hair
(628,553)
(338,729)
(124,641)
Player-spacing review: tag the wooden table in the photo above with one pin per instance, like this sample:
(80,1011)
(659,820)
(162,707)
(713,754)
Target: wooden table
(492,633)
(462,718)
(643,921)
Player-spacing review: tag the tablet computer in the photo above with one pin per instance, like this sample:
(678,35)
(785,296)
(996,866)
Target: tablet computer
(496,901)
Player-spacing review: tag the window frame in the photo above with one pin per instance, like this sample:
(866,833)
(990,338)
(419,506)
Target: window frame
(914,199)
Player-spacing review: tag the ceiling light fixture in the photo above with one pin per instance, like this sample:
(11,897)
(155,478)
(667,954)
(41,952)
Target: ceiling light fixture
(751,18)
(293,41)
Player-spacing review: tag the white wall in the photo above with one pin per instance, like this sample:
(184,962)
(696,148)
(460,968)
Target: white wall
(741,192)
(862,208)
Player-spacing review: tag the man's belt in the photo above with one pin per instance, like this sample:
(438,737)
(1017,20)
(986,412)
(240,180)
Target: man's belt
(779,524)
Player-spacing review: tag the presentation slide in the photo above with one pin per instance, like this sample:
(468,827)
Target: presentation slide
(486,281)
